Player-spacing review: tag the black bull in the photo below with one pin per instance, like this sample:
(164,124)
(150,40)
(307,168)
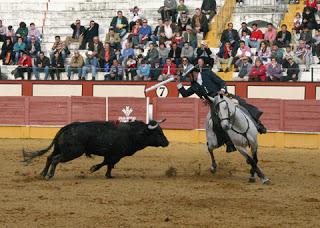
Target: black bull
(111,140)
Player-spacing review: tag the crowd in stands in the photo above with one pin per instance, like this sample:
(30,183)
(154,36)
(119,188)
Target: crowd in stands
(133,50)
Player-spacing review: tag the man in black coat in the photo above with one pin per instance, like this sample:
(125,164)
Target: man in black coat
(89,33)
(120,24)
(77,34)
(231,35)
(209,7)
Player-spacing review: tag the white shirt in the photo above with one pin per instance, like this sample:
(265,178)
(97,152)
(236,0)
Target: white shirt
(199,79)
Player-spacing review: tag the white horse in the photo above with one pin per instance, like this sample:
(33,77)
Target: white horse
(241,130)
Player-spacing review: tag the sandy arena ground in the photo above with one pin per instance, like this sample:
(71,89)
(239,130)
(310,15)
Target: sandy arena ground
(142,195)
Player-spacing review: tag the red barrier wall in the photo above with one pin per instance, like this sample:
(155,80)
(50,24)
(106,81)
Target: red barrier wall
(13,111)
(88,108)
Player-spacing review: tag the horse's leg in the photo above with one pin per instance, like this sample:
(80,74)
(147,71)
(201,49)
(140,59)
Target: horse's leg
(98,166)
(213,167)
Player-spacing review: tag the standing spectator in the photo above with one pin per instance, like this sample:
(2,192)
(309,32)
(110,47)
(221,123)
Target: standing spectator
(244,27)
(120,24)
(244,52)
(42,64)
(113,39)
(24,65)
(163,53)
(274,70)
(143,72)
(293,71)
(258,72)
(184,68)
(277,53)
(271,34)
(167,31)
(256,37)
(183,21)
(204,52)
(11,34)
(3,32)
(226,56)
(264,53)
(89,33)
(97,49)
(75,66)
(116,71)
(199,22)
(152,54)
(303,54)
(156,33)
(169,70)
(175,53)
(130,68)
(169,9)
(135,14)
(190,37)
(58,46)
(22,31)
(230,35)
(187,52)
(18,48)
(33,47)
(309,19)
(77,34)
(7,52)
(33,32)
(145,32)
(57,65)
(209,7)
(90,64)
(245,69)
(283,37)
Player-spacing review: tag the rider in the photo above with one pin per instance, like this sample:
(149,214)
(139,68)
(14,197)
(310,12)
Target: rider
(207,83)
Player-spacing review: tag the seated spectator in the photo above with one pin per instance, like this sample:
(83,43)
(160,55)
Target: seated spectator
(135,14)
(41,64)
(283,37)
(120,24)
(258,72)
(277,53)
(293,71)
(309,19)
(155,70)
(33,32)
(209,7)
(169,70)
(77,34)
(89,33)
(199,23)
(244,27)
(58,46)
(264,53)
(303,54)
(230,35)
(127,51)
(244,69)
(11,34)
(22,31)
(190,37)
(306,35)
(169,9)
(90,64)
(57,65)
(24,65)
(109,54)
(167,31)
(245,37)
(256,36)
(116,71)
(163,53)
(184,68)
(178,39)
(274,70)
(316,44)
(7,52)
(297,23)
(156,33)
(271,34)
(113,39)
(134,35)
(143,71)
(33,47)
(244,52)
(138,50)
(183,21)
(152,54)
(187,52)
(182,8)
(97,49)
(75,66)
(225,56)
(175,53)
(204,52)
(130,68)
(288,53)
(18,47)
(3,32)
(145,32)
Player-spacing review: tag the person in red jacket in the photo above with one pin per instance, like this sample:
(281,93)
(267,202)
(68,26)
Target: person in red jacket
(312,4)
(24,65)
(258,72)
(256,37)
(169,70)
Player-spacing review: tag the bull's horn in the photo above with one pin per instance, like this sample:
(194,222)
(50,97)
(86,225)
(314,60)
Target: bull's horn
(153,127)
(161,121)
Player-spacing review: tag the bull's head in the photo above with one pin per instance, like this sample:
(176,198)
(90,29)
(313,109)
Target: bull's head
(155,134)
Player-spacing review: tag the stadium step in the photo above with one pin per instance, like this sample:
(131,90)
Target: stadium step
(289,16)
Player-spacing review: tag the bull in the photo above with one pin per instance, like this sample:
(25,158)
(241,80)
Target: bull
(111,140)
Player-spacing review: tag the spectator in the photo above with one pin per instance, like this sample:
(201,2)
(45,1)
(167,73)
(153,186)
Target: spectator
(245,37)
(244,27)
(264,53)
(127,51)
(22,31)
(33,47)
(57,65)
(274,70)
(175,53)
(90,64)
(24,65)
(3,32)
(271,34)
(169,70)
(283,37)
(97,49)
(167,31)
(306,35)
(256,37)
(288,53)
(7,52)
(143,72)
(308,19)
(182,8)
(145,32)
(244,52)
(155,71)
(297,24)
(75,66)
(178,39)
(130,68)
(199,23)
(184,68)
(109,54)
(190,37)
(113,39)
(204,52)
(169,9)
(33,32)
(11,34)
(135,14)
(89,33)
(116,71)
(312,4)
(42,64)
(303,54)
(209,7)
(277,53)
(225,56)
(152,54)
(58,46)
(156,33)
(316,44)
(134,35)
(245,69)
(258,72)
(163,53)
(77,34)
(120,24)
(18,48)
(183,21)
(293,71)
(187,52)
(230,35)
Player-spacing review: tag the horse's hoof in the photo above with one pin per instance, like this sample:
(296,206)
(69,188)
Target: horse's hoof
(213,170)
(252,180)
(266,181)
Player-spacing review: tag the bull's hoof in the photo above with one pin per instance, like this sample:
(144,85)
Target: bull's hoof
(93,169)
(252,180)
(42,174)
(109,177)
